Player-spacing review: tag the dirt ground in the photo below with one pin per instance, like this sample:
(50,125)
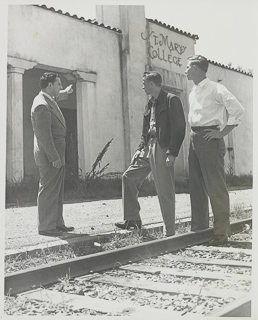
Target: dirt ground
(98,217)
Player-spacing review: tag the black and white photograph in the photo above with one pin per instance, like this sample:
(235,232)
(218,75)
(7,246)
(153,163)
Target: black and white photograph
(128,166)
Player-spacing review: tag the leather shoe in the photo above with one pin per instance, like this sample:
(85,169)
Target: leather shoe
(51,233)
(169,234)
(129,224)
(218,239)
(65,228)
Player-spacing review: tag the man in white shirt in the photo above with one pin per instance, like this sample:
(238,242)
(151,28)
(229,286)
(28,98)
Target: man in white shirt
(208,103)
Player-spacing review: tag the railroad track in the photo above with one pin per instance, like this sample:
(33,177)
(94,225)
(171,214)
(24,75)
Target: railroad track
(178,275)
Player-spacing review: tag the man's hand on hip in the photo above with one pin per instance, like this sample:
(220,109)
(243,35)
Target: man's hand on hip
(170,160)
(212,134)
(57,164)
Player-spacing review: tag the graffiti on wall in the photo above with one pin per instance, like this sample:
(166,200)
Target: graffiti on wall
(162,48)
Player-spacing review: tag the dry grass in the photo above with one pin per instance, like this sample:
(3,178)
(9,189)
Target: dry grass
(115,241)
(45,257)
(120,240)
(107,186)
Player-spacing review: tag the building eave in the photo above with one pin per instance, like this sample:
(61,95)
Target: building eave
(164,25)
(230,68)
(82,19)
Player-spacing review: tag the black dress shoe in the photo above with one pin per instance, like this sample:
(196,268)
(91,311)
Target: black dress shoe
(129,224)
(51,233)
(218,239)
(65,229)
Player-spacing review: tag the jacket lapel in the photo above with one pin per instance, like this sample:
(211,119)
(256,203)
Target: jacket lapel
(55,110)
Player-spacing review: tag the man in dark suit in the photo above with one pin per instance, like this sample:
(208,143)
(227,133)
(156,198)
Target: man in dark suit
(49,152)
(162,136)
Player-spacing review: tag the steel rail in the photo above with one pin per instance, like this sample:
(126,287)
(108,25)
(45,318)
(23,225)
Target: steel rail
(36,277)
(238,308)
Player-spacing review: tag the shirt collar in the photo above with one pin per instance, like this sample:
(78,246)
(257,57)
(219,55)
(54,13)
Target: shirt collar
(47,95)
(203,83)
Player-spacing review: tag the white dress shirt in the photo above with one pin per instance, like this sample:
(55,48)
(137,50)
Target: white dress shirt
(153,118)
(209,101)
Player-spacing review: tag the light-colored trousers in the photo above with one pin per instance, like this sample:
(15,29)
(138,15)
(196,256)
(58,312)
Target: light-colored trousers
(207,180)
(152,159)
(50,197)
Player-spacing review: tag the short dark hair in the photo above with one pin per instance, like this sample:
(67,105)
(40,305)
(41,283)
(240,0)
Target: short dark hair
(154,77)
(199,61)
(47,78)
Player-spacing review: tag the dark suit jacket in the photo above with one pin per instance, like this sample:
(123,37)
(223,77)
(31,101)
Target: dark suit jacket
(170,123)
(49,130)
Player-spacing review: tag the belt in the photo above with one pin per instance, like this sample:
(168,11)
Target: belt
(152,135)
(195,129)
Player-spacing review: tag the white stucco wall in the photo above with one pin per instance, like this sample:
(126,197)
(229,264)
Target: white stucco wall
(167,53)
(56,40)
(159,47)
(241,85)
(146,46)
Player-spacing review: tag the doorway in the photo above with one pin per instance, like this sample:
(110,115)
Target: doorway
(30,90)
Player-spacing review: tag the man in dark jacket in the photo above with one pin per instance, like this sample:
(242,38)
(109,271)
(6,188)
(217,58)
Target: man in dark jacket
(162,136)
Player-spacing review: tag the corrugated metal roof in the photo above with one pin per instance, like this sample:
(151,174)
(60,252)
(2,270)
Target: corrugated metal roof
(81,19)
(187,34)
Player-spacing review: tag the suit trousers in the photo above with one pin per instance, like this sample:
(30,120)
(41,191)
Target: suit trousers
(50,197)
(152,159)
(207,181)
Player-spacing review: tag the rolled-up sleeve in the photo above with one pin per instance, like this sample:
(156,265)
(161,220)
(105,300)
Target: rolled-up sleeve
(233,106)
